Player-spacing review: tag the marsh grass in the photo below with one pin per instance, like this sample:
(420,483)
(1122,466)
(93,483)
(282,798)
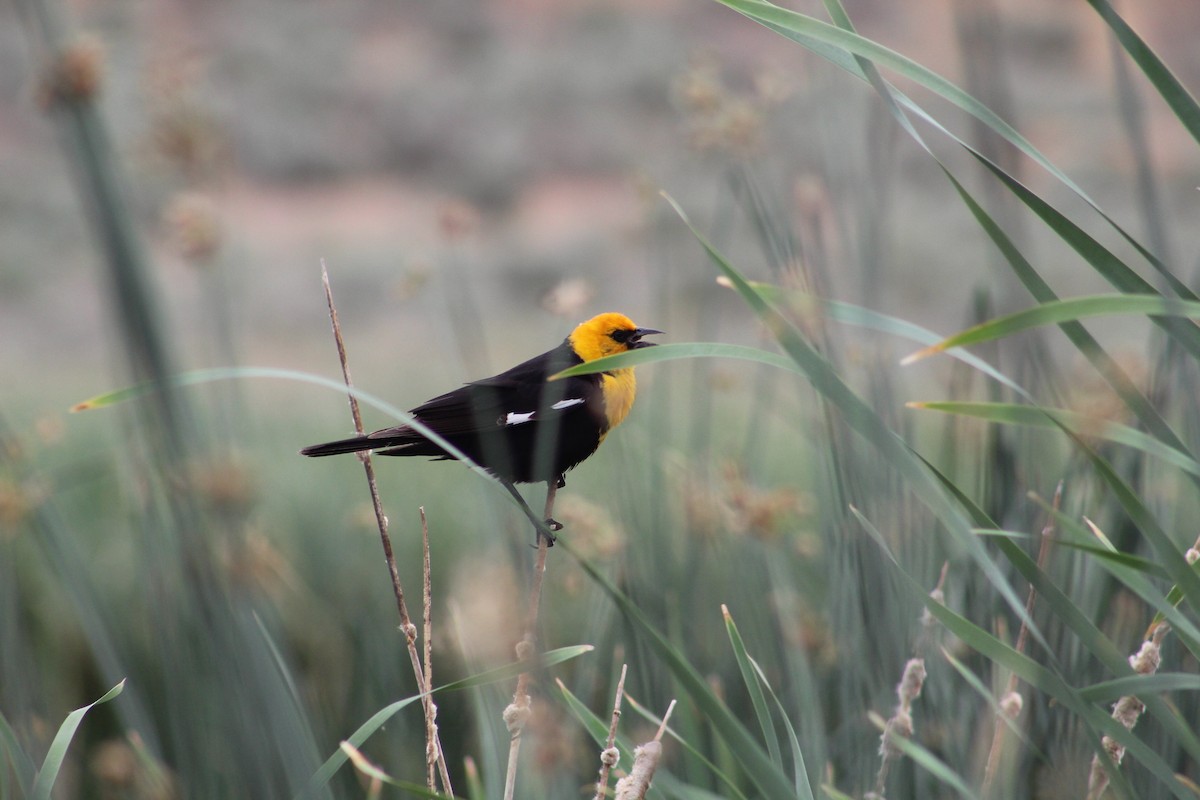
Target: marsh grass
(784,486)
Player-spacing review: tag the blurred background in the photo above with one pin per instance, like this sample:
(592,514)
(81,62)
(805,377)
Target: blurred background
(479,177)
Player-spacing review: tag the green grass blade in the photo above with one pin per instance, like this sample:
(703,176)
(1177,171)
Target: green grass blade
(1134,579)
(729,787)
(1083,341)
(863,420)
(327,770)
(673,352)
(803,785)
(1100,258)
(1092,638)
(22,765)
(595,727)
(1072,421)
(1168,86)
(598,730)
(509,671)
(804,305)
(1127,560)
(1167,552)
(1036,675)
(373,772)
(810,29)
(201,376)
(757,698)
(798,28)
(972,680)
(1060,311)
(1140,685)
(769,779)
(48,773)
(931,764)
(1048,682)
(332,764)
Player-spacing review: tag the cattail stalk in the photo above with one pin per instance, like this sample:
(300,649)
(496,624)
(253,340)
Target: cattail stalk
(1127,710)
(645,761)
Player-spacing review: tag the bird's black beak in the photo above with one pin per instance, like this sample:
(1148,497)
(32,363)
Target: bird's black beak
(635,341)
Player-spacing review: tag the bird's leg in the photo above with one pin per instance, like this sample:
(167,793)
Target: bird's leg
(552,488)
(541,527)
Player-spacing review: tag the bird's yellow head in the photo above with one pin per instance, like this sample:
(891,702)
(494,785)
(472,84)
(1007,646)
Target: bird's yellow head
(606,335)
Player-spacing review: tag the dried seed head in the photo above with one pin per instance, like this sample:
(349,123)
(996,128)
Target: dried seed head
(1011,705)
(1127,710)
(900,724)
(525,649)
(76,74)
(1148,658)
(194,227)
(645,760)
(910,685)
(515,717)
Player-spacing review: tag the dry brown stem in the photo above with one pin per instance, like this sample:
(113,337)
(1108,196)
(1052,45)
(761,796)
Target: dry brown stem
(433,750)
(1010,701)
(610,755)
(517,712)
(406,624)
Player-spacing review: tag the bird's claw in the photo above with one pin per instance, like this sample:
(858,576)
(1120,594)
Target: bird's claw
(547,531)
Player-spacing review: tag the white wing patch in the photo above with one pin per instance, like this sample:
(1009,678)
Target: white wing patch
(520,418)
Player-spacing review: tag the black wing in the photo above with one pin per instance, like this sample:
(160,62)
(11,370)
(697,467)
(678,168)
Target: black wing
(517,424)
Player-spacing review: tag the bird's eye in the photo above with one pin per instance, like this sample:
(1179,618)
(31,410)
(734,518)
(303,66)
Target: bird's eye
(620,335)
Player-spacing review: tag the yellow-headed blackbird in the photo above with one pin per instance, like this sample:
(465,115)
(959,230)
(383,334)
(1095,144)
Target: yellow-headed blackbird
(518,425)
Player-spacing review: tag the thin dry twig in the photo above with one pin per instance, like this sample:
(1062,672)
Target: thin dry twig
(433,750)
(406,624)
(610,755)
(1011,701)
(518,711)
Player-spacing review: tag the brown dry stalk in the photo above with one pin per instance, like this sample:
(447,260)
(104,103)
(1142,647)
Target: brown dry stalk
(432,750)
(1010,702)
(406,624)
(645,761)
(518,711)
(610,755)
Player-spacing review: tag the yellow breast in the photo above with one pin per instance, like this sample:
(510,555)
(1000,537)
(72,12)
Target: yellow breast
(620,387)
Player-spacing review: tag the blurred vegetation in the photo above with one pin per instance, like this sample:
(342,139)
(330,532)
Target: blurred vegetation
(176,542)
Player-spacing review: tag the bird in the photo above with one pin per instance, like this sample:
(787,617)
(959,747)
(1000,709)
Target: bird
(519,425)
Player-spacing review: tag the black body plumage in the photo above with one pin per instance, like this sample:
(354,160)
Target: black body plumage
(518,425)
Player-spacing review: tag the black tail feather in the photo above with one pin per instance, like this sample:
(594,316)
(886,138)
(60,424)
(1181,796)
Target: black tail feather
(353,445)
